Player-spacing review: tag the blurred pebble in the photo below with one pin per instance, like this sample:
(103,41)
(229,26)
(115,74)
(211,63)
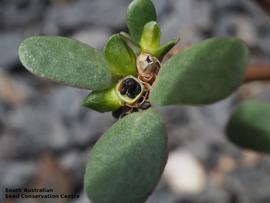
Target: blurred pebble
(11,177)
(95,37)
(184,174)
(82,12)
(10,91)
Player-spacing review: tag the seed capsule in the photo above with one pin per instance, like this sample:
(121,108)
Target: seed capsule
(131,88)
(147,64)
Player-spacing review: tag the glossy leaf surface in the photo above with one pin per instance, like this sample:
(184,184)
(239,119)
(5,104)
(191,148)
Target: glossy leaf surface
(65,60)
(121,58)
(127,161)
(139,13)
(205,73)
(249,126)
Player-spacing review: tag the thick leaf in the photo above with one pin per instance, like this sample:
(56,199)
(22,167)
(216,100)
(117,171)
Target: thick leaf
(126,163)
(150,39)
(139,13)
(103,101)
(65,60)
(249,126)
(165,48)
(203,74)
(121,58)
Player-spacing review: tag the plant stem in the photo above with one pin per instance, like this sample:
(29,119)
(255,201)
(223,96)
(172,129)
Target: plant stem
(257,72)
(264,4)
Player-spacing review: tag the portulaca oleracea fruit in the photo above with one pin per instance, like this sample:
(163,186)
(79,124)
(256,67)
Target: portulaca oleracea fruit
(129,79)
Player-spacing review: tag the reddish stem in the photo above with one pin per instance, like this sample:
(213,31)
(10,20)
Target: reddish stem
(257,72)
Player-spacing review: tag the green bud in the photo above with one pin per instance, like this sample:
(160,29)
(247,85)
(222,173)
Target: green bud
(150,40)
(103,101)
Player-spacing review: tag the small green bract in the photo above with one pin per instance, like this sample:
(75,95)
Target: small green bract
(128,78)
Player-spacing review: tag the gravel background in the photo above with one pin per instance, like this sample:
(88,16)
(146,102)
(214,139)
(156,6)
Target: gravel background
(45,135)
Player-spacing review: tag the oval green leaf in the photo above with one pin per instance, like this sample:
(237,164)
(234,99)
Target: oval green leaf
(65,60)
(121,58)
(139,13)
(127,161)
(249,126)
(205,73)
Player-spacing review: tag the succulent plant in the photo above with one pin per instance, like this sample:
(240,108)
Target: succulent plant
(129,79)
(249,126)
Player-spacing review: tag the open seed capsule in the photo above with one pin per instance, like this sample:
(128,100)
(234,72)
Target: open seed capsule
(147,63)
(129,89)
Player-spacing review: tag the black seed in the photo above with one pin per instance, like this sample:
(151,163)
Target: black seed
(131,95)
(123,90)
(145,105)
(148,60)
(132,89)
(138,89)
(129,81)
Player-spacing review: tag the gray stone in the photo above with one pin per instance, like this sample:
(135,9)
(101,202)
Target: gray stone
(180,22)
(82,12)
(15,174)
(18,13)
(95,37)
(9,48)
(82,124)
(236,25)
(32,130)
(161,8)
(83,199)
(75,162)
(252,183)
(161,197)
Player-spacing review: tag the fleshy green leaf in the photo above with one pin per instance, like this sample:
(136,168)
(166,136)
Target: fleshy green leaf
(126,163)
(165,48)
(65,60)
(103,101)
(150,39)
(249,126)
(121,58)
(203,74)
(139,13)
